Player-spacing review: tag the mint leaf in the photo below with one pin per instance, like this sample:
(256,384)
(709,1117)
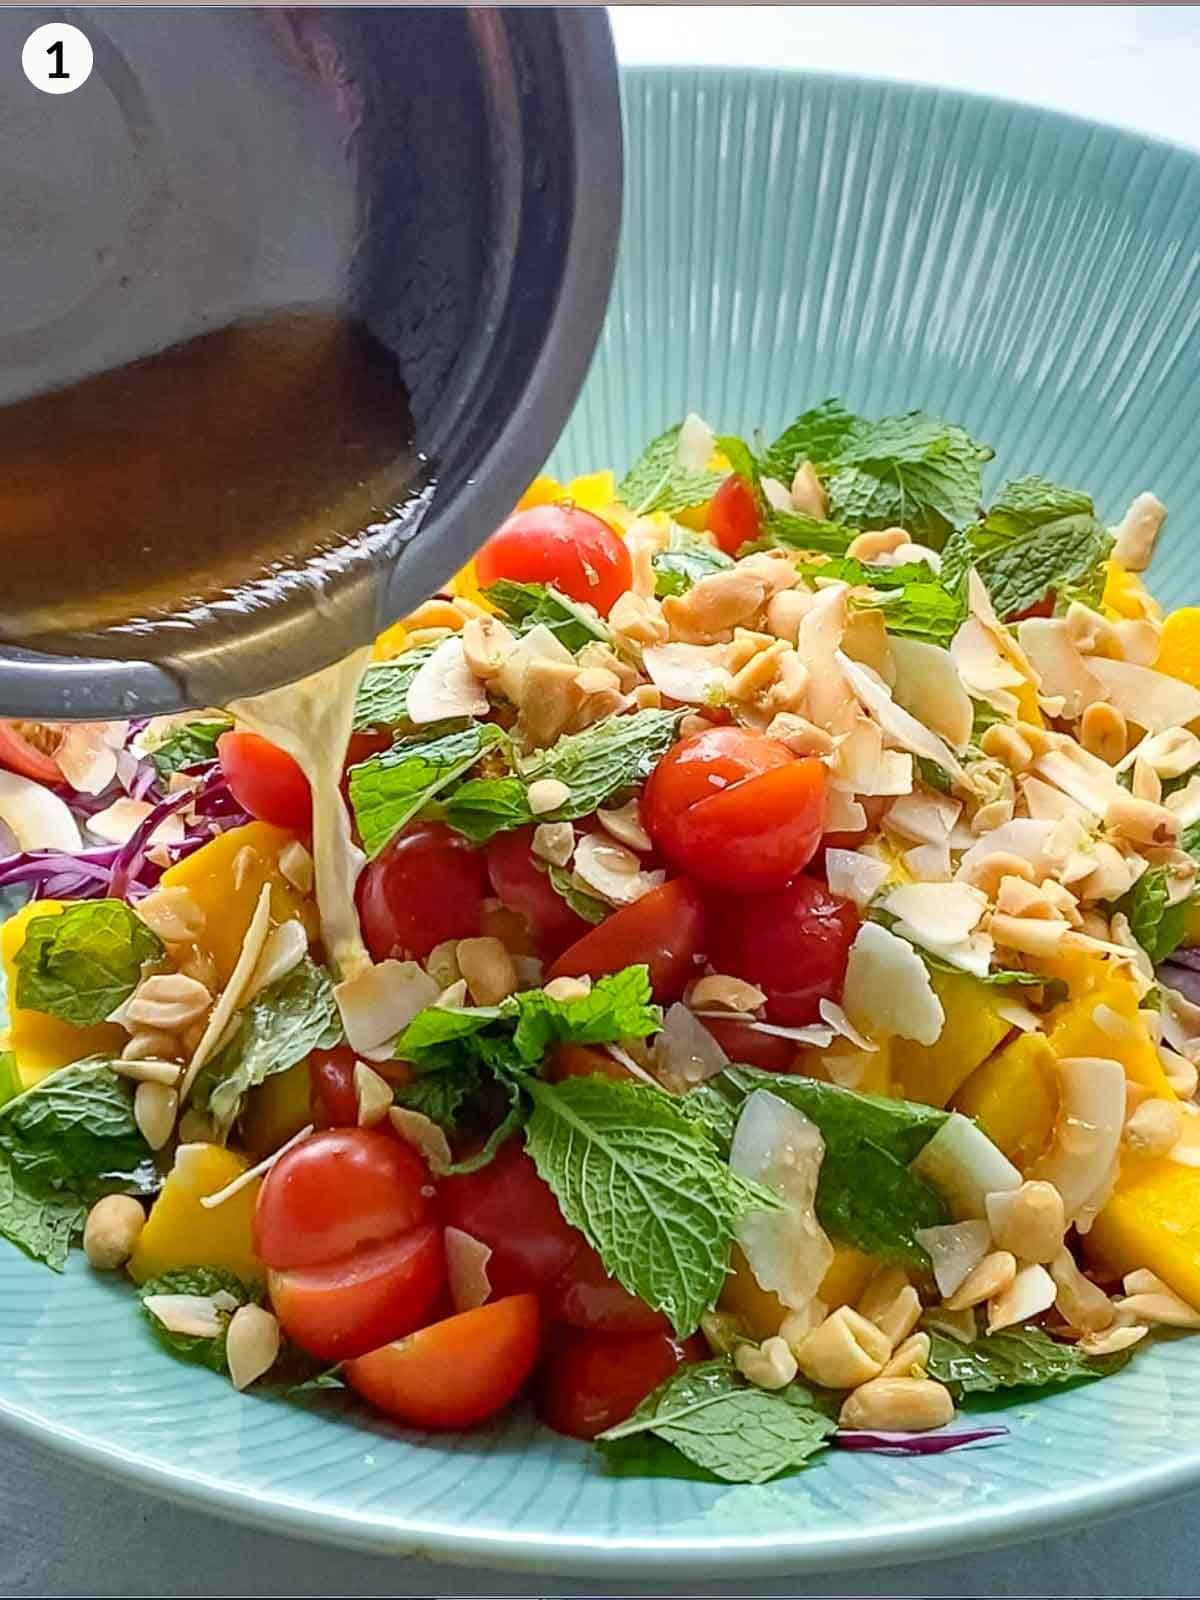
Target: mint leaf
(914,472)
(281,1025)
(389,789)
(730,1428)
(1037,536)
(816,435)
(687,558)
(382,698)
(10,1077)
(81,965)
(644,1185)
(1016,1358)
(205,1281)
(790,530)
(189,745)
(656,481)
(921,609)
(39,1220)
(1160,928)
(480,808)
(440,1096)
(527,604)
(75,1131)
(328,1378)
(582,903)
(866,1195)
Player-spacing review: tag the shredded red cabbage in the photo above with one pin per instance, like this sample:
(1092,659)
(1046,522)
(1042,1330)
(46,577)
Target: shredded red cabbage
(1183,975)
(915,1444)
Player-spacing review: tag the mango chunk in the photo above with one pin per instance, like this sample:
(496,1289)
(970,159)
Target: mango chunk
(1013,1097)
(180,1232)
(932,1073)
(1179,647)
(1152,1220)
(842,1061)
(1126,595)
(1076,1031)
(276,1110)
(763,1312)
(43,1043)
(226,876)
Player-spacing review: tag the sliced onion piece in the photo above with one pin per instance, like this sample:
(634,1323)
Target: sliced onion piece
(685,1052)
(954,1249)
(778,1146)
(887,989)
(963,1164)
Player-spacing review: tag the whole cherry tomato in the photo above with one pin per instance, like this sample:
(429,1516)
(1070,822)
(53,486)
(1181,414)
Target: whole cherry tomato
(563,546)
(523,885)
(586,1296)
(333,1097)
(793,943)
(592,1381)
(266,781)
(734,810)
(664,929)
(508,1207)
(425,886)
(733,518)
(457,1372)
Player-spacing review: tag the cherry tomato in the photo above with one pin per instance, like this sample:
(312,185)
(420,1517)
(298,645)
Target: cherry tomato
(379,1292)
(751,1048)
(21,750)
(266,781)
(340,1189)
(559,544)
(793,944)
(664,929)
(592,1381)
(524,887)
(733,516)
(1040,608)
(457,1372)
(586,1296)
(734,810)
(331,1078)
(508,1207)
(582,1061)
(426,885)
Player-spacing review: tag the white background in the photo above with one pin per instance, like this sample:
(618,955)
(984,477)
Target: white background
(64,1532)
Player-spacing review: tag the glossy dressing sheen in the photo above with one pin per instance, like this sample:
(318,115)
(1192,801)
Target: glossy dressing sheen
(187,488)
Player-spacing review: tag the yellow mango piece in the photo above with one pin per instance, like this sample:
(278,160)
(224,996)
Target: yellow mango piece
(228,897)
(465,584)
(1027,705)
(932,1073)
(392,642)
(180,1232)
(1014,1097)
(1075,1031)
(875,1066)
(1081,971)
(276,1110)
(594,491)
(43,1043)
(543,491)
(1179,647)
(694,518)
(1126,595)
(1152,1220)
(763,1312)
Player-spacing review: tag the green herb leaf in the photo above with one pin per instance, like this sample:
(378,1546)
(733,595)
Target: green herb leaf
(789,530)
(914,471)
(440,1095)
(205,1281)
(816,435)
(687,558)
(582,903)
(1037,536)
(1017,1358)
(934,776)
(382,699)
(656,481)
(281,1025)
(1160,928)
(39,1220)
(389,789)
(80,966)
(10,1077)
(189,745)
(75,1131)
(920,609)
(730,1428)
(329,1378)
(480,808)
(644,1185)
(514,1118)
(527,604)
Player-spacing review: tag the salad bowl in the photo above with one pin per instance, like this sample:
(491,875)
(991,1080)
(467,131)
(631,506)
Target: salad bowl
(786,237)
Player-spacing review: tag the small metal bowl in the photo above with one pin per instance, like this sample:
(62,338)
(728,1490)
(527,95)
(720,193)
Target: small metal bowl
(450,176)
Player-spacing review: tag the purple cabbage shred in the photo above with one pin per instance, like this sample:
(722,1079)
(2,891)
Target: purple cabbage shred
(915,1444)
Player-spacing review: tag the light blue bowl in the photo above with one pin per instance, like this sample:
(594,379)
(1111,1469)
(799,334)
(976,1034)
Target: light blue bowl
(787,237)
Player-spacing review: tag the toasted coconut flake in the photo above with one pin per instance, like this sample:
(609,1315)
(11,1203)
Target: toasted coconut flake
(831,702)
(695,444)
(420,1131)
(936,916)
(897,724)
(929,686)
(1080,1160)
(118,823)
(955,1249)
(233,995)
(38,819)
(835,1016)
(855,876)
(693,674)
(1084,778)
(87,754)
(778,494)
(777,1145)
(929,863)
(1031,1292)
(196,1315)
(1148,699)
(979,603)
(467,1269)
(844,814)
(887,989)
(286,947)
(685,1052)
(539,644)
(924,816)
(609,870)
(381,1002)
(1022,836)
(445,686)
(979,661)
(624,823)
(1064,672)
(1136,532)
(1018,1016)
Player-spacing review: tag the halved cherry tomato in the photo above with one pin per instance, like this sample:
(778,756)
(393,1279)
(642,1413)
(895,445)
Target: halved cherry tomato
(563,546)
(735,810)
(340,1189)
(749,1047)
(592,1381)
(733,518)
(266,781)
(379,1292)
(331,1079)
(1040,608)
(582,1061)
(523,885)
(457,1372)
(586,1296)
(426,885)
(793,944)
(508,1207)
(19,752)
(664,929)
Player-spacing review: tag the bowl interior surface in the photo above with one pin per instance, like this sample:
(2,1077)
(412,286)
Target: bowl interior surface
(787,237)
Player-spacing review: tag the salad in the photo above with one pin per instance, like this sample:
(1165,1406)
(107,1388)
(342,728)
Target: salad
(730,965)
